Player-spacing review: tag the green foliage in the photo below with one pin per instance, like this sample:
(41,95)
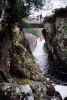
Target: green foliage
(23,6)
(37,3)
(20,9)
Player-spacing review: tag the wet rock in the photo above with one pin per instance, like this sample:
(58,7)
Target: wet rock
(16,92)
(22,62)
(55,31)
(39,90)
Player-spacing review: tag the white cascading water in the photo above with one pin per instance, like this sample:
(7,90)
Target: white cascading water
(40,54)
(2,15)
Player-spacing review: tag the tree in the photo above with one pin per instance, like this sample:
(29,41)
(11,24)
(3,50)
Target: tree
(37,3)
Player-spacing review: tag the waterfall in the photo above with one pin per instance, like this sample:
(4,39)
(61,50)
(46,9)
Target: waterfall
(2,15)
(41,56)
(4,6)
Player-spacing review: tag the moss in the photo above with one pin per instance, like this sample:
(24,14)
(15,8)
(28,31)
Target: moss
(22,58)
(24,81)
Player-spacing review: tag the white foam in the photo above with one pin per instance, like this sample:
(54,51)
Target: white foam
(62,90)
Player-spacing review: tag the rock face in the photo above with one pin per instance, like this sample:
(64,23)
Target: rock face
(15,59)
(22,61)
(39,91)
(16,92)
(56,41)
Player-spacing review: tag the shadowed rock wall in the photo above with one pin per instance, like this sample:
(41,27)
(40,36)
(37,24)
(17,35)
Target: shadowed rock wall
(54,26)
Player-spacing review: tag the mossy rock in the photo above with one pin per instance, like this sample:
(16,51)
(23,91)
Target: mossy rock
(23,59)
(24,81)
